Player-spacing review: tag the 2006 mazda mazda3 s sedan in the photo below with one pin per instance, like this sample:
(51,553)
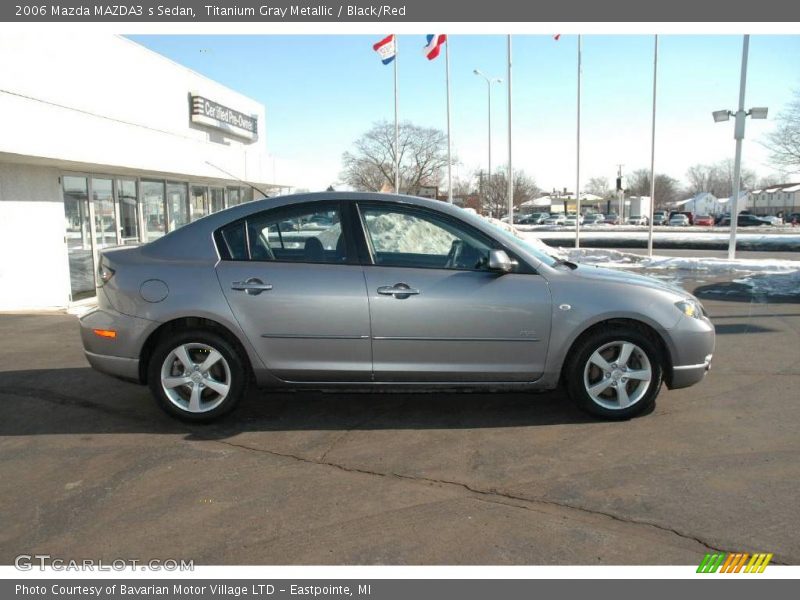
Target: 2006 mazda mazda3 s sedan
(352,289)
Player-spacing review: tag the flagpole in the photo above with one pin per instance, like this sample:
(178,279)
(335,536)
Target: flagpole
(510,176)
(396,125)
(578,157)
(653,151)
(449,143)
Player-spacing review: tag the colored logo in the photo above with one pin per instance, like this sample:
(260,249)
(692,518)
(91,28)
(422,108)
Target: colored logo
(734,562)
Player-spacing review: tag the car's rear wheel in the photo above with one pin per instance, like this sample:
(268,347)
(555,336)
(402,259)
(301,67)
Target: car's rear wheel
(615,373)
(197,375)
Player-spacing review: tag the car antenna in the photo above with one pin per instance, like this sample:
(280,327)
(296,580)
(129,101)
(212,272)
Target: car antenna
(237,179)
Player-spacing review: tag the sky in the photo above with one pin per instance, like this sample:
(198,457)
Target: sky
(322,92)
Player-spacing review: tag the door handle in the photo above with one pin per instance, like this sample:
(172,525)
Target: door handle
(252,286)
(398,290)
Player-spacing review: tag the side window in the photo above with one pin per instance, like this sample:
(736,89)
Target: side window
(406,237)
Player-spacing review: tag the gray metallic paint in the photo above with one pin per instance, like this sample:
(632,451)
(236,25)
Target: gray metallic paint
(325,302)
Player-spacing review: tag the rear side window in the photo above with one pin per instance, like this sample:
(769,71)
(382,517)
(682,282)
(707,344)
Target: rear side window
(310,233)
(234,241)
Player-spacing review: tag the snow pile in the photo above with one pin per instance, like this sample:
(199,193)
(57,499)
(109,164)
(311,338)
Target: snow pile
(396,232)
(705,265)
(773,284)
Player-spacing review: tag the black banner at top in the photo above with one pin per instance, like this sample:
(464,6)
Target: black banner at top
(421,11)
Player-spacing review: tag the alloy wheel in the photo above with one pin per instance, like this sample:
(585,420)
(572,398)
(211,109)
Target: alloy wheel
(617,375)
(195,377)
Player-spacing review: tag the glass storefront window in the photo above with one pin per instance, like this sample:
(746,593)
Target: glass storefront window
(217,199)
(78,236)
(199,202)
(128,210)
(105,216)
(153,209)
(177,204)
(234,196)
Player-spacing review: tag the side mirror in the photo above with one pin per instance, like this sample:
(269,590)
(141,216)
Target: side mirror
(499,261)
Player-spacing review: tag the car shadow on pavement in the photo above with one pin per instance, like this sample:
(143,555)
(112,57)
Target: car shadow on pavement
(82,401)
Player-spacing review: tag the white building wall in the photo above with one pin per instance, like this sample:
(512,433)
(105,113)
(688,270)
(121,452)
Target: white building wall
(105,100)
(33,255)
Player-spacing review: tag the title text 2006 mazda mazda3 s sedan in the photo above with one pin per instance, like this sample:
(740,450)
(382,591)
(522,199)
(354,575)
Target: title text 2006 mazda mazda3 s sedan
(349,289)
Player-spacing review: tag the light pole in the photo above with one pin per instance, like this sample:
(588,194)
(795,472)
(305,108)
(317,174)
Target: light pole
(489,82)
(738,134)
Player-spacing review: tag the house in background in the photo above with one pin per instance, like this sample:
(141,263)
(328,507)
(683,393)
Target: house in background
(783,198)
(704,203)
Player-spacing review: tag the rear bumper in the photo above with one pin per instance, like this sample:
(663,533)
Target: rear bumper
(117,366)
(118,356)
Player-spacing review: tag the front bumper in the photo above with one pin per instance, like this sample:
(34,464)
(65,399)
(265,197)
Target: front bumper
(118,356)
(693,340)
(686,375)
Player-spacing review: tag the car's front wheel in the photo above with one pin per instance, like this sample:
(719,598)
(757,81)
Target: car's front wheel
(615,373)
(197,375)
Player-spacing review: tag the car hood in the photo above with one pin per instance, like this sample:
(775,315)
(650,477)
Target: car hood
(627,278)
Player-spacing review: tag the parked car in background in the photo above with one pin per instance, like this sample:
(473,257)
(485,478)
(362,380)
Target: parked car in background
(612,219)
(792,219)
(689,215)
(535,218)
(679,220)
(572,219)
(704,220)
(555,220)
(660,217)
(594,219)
(398,292)
(636,220)
(746,221)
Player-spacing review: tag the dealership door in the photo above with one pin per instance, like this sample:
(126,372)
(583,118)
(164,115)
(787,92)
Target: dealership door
(90,226)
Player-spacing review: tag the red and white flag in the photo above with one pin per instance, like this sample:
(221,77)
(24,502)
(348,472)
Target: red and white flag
(386,49)
(434,44)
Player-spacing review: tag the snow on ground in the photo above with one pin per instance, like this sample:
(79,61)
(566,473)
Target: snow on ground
(696,266)
(704,265)
(763,236)
(773,284)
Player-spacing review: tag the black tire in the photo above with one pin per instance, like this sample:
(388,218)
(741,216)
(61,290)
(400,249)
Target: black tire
(584,348)
(236,373)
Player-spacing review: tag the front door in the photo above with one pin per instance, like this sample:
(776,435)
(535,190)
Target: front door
(438,314)
(293,283)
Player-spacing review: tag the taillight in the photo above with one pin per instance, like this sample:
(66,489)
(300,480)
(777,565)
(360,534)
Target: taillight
(104,272)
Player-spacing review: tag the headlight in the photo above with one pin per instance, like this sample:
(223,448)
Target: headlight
(691,308)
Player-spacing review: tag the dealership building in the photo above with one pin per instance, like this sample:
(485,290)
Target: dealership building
(104,142)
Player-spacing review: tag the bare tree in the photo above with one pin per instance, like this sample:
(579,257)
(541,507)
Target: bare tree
(667,188)
(496,191)
(599,186)
(717,179)
(371,165)
(784,141)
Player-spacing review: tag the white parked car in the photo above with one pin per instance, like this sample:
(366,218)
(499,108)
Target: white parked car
(570,220)
(638,220)
(679,221)
(555,220)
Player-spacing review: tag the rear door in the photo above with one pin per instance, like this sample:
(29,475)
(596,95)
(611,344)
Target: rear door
(438,314)
(292,280)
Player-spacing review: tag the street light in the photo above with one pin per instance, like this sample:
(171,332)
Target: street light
(489,82)
(759,112)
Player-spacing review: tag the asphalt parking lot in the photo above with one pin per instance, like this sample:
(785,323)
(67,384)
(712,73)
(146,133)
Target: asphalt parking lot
(91,468)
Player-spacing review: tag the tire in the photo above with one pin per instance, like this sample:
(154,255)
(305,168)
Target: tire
(602,385)
(191,392)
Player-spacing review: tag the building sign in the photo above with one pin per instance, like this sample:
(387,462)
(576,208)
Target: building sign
(210,113)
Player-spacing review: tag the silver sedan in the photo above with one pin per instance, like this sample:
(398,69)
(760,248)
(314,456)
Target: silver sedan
(336,290)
